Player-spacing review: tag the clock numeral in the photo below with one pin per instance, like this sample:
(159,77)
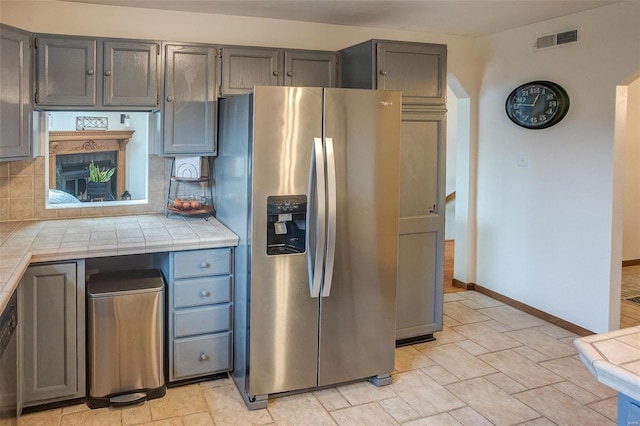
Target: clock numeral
(533,120)
(550,96)
(553,104)
(534,90)
(549,111)
(543,117)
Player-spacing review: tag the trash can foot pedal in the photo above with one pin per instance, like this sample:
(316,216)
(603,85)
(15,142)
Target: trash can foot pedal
(127,399)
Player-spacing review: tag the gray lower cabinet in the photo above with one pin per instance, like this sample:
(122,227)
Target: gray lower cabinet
(421,225)
(190,100)
(15,94)
(417,69)
(245,67)
(53,343)
(96,73)
(199,284)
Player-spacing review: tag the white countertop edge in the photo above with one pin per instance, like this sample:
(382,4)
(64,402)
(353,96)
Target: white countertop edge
(617,378)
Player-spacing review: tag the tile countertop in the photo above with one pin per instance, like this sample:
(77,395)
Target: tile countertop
(22,243)
(614,359)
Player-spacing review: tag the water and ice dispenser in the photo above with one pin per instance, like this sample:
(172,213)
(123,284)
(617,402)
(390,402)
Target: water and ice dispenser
(286,224)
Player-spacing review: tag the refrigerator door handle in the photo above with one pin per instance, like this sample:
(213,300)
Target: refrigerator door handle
(332,190)
(315,257)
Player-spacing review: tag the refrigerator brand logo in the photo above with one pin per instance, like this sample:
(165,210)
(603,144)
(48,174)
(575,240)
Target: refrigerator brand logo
(386,103)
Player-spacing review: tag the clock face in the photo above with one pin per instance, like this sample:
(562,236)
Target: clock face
(537,105)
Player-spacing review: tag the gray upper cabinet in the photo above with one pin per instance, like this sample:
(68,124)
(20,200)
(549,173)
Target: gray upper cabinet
(66,71)
(130,73)
(311,69)
(190,100)
(15,94)
(243,68)
(417,69)
(80,71)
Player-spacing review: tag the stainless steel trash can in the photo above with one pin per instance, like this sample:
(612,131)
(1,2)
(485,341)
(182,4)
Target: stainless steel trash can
(125,337)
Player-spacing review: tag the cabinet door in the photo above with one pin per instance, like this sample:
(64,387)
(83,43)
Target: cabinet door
(421,240)
(15,91)
(53,334)
(418,70)
(66,71)
(311,69)
(130,73)
(190,104)
(243,68)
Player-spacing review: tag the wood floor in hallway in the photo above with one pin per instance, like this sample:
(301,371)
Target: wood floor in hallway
(448,267)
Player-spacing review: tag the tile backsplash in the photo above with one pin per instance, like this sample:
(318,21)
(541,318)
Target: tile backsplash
(22,192)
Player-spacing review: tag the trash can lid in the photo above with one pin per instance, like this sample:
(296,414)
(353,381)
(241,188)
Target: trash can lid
(119,281)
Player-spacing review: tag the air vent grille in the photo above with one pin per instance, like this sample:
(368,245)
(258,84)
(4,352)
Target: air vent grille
(558,39)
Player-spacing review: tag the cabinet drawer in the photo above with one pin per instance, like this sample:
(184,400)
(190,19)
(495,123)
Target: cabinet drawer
(202,355)
(199,263)
(202,291)
(209,319)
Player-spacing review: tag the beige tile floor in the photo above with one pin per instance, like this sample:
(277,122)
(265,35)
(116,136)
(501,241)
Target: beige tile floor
(491,365)
(630,311)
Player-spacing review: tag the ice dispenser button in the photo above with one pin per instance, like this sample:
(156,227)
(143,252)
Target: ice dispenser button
(280,227)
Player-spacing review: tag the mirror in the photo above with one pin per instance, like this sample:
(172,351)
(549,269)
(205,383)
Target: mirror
(112,143)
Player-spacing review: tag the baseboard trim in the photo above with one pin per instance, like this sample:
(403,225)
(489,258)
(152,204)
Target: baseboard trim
(632,262)
(462,284)
(535,312)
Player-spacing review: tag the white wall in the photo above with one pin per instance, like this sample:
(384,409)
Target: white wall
(631,228)
(545,231)
(451,146)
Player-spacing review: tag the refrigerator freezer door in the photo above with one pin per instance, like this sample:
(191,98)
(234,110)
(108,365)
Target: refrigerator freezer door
(283,318)
(357,326)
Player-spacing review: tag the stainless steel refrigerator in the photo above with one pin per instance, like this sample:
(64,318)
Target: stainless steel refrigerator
(308,178)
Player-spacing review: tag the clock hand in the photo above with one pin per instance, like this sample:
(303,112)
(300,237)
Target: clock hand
(535,100)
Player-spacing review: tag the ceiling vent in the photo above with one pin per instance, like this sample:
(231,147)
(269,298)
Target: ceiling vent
(558,39)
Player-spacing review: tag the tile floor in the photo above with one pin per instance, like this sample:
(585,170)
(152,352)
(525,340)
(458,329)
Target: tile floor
(629,311)
(491,365)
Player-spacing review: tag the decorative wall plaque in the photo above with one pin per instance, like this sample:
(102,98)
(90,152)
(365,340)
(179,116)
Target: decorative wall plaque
(92,123)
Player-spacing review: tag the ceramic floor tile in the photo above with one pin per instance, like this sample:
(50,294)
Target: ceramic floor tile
(399,409)
(458,362)
(572,369)
(409,358)
(562,409)
(301,409)
(42,418)
(367,414)
(424,394)
(178,401)
(505,383)
(469,417)
(543,343)
(440,375)
(136,414)
(511,317)
(442,419)
(491,402)
(607,407)
(479,299)
(97,417)
(520,369)
(581,395)
(198,419)
(227,407)
(487,337)
(462,313)
(364,392)
(472,347)
(331,399)
(444,337)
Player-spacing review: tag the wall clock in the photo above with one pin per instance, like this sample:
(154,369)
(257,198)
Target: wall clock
(537,104)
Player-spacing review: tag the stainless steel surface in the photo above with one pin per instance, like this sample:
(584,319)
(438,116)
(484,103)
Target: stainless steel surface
(125,334)
(8,363)
(285,339)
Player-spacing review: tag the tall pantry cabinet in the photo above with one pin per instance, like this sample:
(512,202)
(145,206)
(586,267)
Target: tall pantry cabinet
(419,71)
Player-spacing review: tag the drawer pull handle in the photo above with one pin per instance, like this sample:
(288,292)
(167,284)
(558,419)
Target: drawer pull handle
(203,357)
(205,293)
(204,265)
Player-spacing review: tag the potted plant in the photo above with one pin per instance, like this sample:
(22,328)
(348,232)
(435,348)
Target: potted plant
(99,184)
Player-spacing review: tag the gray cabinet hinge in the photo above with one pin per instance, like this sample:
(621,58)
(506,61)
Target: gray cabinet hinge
(36,98)
(158,50)
(35,42)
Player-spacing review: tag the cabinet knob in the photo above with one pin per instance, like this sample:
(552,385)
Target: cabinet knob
(383,72)
(203,357)
(107,73)
(289,73)
(275,73)
(205,293)
(204,265)
(169,98)
(90,72)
